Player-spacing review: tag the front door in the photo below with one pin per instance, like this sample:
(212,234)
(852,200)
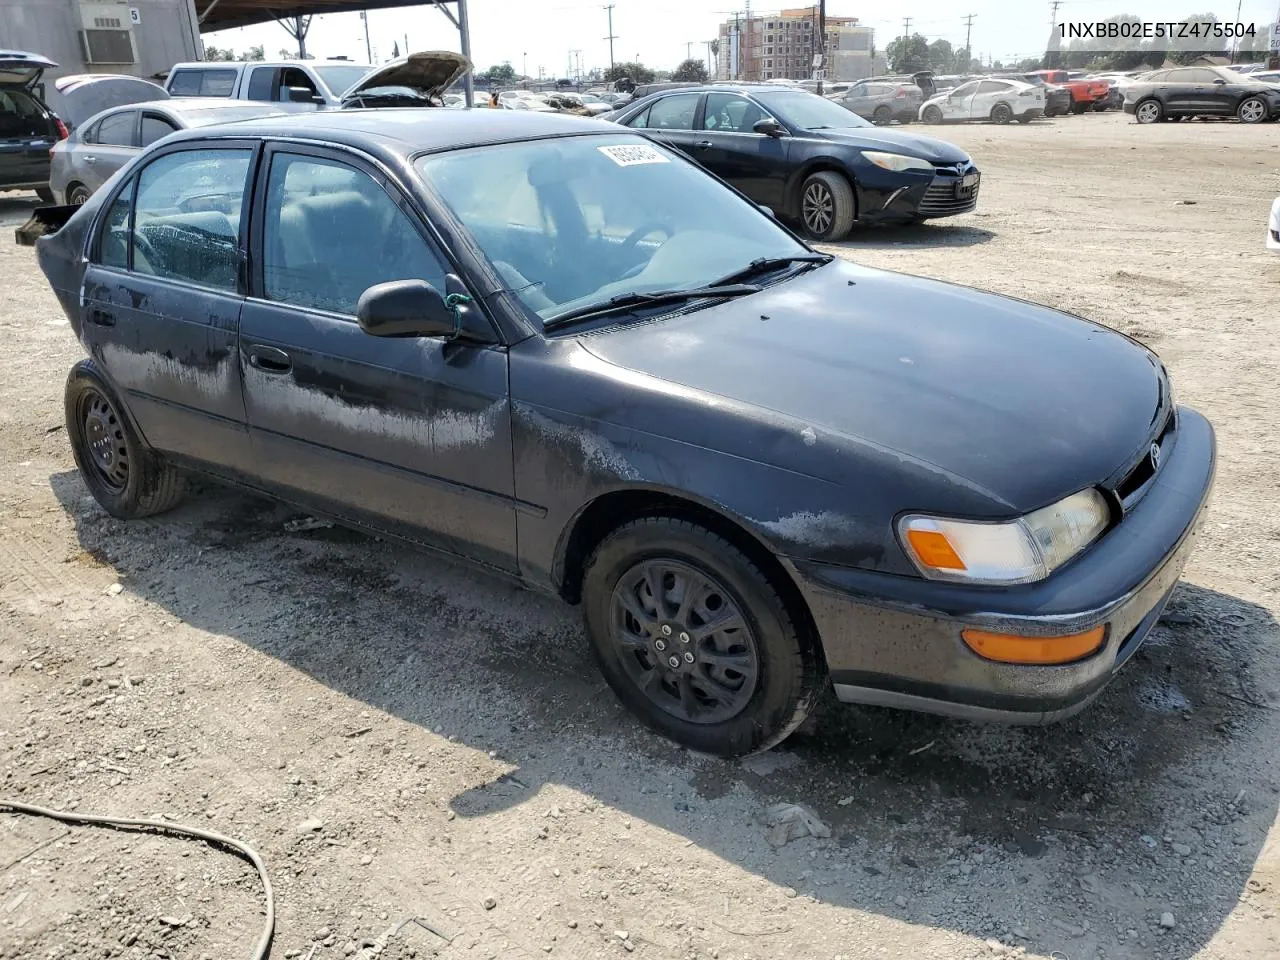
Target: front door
(729,147)
(162,299)
(957,104)
(409,434)
(858,100)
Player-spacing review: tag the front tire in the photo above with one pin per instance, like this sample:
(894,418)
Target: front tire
(827,206)
(1025,118)
(1148,111)
(1001,114)
(1079,108)
(1252,110)
(126,478)
(695,639)
(931,115)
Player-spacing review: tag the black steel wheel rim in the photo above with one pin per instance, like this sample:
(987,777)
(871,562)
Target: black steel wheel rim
(104,440)
(683,640)
(819,208)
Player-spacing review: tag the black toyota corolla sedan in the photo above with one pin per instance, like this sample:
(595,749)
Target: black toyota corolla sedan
(809,159)
(566,353)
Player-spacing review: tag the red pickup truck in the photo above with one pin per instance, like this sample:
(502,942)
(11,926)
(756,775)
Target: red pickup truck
(1084,93)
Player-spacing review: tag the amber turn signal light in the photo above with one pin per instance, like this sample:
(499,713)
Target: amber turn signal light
(1010,648)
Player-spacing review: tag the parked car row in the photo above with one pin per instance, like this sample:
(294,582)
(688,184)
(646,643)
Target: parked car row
(1186,92)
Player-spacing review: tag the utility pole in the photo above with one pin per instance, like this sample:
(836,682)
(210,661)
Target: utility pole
(906,26)
(610,37)
(688,50)
(746,55)
(822,43)
(968,29)
(368,47)
(1235,44)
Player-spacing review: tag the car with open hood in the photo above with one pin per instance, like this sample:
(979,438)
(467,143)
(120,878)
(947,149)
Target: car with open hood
(564,352)
(420,79)
(28,128)
(807,158)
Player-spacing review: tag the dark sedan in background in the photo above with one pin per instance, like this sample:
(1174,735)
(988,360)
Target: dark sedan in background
(808,159)
(1057,100)
(1201,92)
(86,159)
(552,347)
(28,128)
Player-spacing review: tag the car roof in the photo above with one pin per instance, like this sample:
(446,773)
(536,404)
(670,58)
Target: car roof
(409,130)
(224,64)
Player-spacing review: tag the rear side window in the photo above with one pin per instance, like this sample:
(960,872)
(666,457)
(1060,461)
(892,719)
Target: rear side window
(187,217)
(202,83)
(155,128)
(992,86)
(117,129)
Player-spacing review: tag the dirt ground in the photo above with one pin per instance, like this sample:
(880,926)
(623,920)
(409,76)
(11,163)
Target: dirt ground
(402,738)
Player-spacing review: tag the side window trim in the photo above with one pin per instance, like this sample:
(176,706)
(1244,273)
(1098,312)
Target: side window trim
(256,235)
(100,226)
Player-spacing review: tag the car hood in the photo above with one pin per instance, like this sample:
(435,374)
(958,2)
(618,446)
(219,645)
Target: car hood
(880,138)
(1020,401)
(430,72)
(21,68)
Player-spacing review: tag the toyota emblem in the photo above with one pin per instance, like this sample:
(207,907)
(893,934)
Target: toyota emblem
(1155,456)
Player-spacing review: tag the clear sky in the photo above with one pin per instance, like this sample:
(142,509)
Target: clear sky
(661,32)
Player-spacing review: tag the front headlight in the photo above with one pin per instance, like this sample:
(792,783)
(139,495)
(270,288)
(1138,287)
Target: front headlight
(1015,551)
(896,162)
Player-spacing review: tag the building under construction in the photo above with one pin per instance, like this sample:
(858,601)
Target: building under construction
(770,46)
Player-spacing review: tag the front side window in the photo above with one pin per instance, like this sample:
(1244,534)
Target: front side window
(117,129)
(964,90)
(580,219)
(293,77)
(187,217)
(330,232)
(113,241)
(728,113)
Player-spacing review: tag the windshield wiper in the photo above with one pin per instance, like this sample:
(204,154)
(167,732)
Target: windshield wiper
(630,301)
(765,265)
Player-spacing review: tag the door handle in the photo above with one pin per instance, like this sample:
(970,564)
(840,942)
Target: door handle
(269,360)
(102,318)
(90,159)
(703,144)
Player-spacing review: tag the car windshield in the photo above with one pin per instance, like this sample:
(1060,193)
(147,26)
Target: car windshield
(576,221)
(341,77)
(808,112)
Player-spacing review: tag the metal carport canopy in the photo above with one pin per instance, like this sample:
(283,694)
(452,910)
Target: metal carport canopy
(224,14)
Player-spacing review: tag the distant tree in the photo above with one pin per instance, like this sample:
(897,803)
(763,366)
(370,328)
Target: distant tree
(908,54)
(502,73)
(286,54)
(662,75)
(1186,50)
(691,69)
(942,58)
(636,71)
(715,49)
(219,54)
(1255,49)
(1027,65)
(253,53)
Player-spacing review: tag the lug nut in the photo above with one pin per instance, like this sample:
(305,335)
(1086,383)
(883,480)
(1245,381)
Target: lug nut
(688,658)
(660,644)
(666,629)
(684,637)
(675,662)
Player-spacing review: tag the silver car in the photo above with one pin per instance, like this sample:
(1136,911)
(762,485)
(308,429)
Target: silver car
(105,142)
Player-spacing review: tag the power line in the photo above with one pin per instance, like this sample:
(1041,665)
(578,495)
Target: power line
(610,37)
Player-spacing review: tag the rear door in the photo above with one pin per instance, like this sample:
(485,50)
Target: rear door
(670,121)
(729,147)
(412,434)
(106,147)
(987,95)
(162,301)
(27,133)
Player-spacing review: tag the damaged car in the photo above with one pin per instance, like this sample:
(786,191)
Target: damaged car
(568,354)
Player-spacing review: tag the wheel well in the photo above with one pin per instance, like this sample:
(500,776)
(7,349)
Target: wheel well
(797,187)
(612,510)
(70,187)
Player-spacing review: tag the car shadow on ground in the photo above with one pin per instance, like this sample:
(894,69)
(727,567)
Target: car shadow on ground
(916,235)
(957,811)
(15,208)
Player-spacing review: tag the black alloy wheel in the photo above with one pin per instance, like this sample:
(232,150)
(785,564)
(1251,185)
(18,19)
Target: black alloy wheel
(683,641)
(77,195)
(1001,113)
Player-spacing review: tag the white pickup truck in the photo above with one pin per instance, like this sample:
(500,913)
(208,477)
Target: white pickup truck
(322,84)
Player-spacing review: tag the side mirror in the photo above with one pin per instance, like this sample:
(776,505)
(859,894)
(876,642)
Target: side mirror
(769,127)
(301,95)
(405,308)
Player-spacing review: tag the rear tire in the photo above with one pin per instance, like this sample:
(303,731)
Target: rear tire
(124,476)
(882,116)
(1148,111)
(1079,108)
(827,206)
(1025,118)
(1001,113)
(45,194)
(1252,110)
(734,690)
(931,115)
(78,194)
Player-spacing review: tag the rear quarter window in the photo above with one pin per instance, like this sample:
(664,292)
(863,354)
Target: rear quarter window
(203,83)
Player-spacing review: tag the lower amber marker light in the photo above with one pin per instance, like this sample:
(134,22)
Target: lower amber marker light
(1011,648)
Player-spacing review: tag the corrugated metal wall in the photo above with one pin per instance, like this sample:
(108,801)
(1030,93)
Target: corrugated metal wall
(166,34)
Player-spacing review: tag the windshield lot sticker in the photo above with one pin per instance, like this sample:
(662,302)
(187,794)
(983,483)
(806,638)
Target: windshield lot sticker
(630,156)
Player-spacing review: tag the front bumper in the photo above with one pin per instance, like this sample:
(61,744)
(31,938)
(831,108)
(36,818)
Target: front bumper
(895,641)
(903,197)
